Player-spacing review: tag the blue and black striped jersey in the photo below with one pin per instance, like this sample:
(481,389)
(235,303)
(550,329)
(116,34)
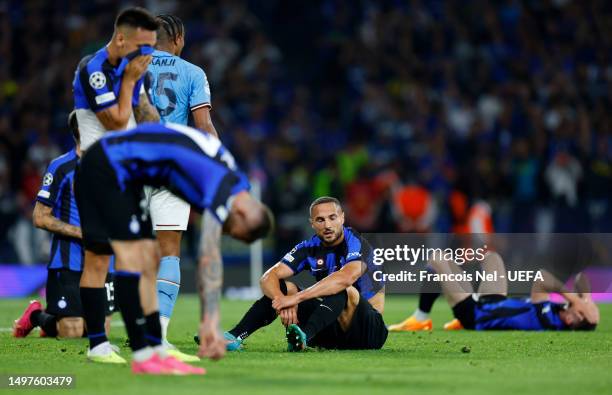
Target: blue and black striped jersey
(193,165)
(322,260)
(518,314)
(96,86)
(57,192)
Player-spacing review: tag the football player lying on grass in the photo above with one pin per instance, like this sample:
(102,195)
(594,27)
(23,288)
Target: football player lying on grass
(491,308)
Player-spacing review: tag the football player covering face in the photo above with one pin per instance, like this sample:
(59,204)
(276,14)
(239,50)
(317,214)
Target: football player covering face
(128,39)
(327,220)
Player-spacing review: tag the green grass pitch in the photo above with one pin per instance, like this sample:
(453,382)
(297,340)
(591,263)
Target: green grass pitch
(419,363)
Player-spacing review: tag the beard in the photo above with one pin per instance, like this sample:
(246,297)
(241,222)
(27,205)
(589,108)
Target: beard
(330,238)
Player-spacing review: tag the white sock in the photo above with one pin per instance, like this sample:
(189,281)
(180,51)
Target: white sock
(101,349)
(143,354)
(420,315)
(161,350)
(164,321)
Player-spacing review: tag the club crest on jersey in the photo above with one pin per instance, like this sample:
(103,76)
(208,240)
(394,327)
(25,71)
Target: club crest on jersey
(97,80)
(48,179)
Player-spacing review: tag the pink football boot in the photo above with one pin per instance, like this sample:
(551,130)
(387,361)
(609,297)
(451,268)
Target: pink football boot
(23,326)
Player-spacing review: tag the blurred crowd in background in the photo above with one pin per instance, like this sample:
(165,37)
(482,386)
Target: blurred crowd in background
(401,109)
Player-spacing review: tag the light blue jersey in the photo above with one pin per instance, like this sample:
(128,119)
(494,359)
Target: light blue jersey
(177,87)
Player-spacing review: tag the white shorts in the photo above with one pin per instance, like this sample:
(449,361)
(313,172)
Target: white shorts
(168,212)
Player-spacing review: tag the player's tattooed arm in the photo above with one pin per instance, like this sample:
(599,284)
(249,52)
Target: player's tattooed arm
(210,267)
(145,111)
(210,279)
(44,219)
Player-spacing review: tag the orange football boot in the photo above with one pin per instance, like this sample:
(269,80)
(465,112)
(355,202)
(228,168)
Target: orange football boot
(454,325)
(411,324)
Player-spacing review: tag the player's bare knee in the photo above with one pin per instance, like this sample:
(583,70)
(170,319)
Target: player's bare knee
(154,252)
(493,262)
(150,261)
(292,289)
(378,301)
(70,327)
(94,269)
(352,300)
(169,242)
(352,296)
(107,324)
(437,265)
(98,265)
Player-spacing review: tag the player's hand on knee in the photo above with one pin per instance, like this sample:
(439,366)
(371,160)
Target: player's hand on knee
(212,342)
(282,302)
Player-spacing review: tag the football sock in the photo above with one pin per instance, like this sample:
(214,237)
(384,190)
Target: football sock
(164,322)
(128,298)
(168,284)
(143,354)
(153,329)
(46,322)
(420,315)
(426,301)
(325,314)
(259,315)
(93,301)
(430,291)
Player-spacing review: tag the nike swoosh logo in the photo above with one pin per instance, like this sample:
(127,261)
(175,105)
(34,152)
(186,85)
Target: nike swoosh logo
(327,307)
(167,294)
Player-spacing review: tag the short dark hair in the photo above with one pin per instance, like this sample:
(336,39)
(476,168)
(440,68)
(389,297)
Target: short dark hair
(584,325)
(267,223)
(322,200)
(170,27)
(73,124)
(137,17)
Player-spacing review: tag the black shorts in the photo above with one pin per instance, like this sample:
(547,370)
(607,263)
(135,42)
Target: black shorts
(63,295)
(108,213)
(367,331)
(465,311)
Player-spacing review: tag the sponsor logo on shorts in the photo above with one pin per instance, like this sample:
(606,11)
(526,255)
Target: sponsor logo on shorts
(62,304)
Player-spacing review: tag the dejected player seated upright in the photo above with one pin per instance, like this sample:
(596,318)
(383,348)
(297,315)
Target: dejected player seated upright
(342,310)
